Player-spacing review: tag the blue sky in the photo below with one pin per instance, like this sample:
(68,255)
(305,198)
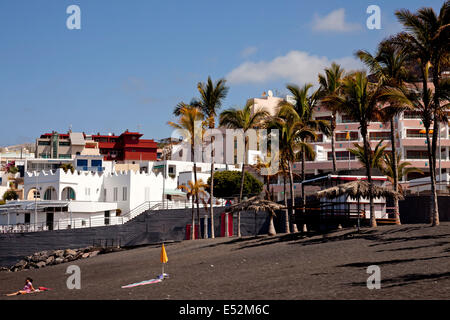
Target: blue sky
(132,61)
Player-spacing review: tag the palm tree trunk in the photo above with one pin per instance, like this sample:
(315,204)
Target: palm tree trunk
(286,211)
(272,231)
(242,187)
(193,220)
(195,182)
(304,228)
(211,209)
(435,141)
(434,207)
(291,181)
(333,149)
(367,155)
(395,172)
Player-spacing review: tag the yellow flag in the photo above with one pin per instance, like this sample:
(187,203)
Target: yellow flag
(164,258)
(348,135)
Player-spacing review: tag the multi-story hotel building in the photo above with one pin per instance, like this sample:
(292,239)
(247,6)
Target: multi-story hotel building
(409,135)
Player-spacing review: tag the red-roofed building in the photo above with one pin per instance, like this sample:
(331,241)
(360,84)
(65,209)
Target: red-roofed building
(127,147)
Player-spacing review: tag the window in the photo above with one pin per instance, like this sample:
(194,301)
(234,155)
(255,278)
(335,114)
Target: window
(341,155)
(116,191)
(342,136)
(82,163)
(415,133)
(107,215)
(124,193)
(65,156)
(87,191)
(44,143)
(64,143)
(104,194)
(96,163)
(379,135)
(417,154)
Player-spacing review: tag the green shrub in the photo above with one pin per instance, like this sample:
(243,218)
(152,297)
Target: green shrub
(10,195)
(227,184)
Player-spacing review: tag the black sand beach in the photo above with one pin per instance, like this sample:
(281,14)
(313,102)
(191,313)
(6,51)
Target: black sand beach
(414,262)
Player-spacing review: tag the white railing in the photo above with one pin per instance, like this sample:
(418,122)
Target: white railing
(78,223)
(63,224)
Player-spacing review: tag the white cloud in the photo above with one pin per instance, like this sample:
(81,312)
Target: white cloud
(247,52)
(334,22)
(296,66)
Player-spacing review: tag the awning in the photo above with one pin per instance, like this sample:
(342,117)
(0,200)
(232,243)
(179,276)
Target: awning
(173,192)
(31,205)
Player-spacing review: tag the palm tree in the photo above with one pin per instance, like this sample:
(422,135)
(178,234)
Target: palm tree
(389,67)
(66,167)
(403,168)
(293,134)
(359,99)
(330,84)
(194,190)
(426,41)
(421,101)
(211,98)
(243,119)
(376,155)
(189,126)
(304,107)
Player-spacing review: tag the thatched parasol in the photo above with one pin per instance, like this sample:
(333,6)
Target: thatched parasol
(358,189)
(258,204)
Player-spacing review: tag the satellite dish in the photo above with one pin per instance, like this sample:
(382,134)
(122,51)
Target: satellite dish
(270,93)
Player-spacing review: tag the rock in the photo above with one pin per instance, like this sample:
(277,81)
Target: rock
(40,264)
(4,269)
(28,258)
(50,260)
(44,255)
(78,255)
(58,253)
(59,260)
(69,252)
(21,264)
(85,255)
(36,258)
(94,253)
(68,258)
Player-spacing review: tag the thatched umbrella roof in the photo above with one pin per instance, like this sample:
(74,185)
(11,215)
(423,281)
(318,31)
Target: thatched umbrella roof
(357,189)
(257,204)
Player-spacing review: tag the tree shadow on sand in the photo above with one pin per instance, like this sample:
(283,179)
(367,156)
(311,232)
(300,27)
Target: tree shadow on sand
(387,262)
(407,279)
(433,245)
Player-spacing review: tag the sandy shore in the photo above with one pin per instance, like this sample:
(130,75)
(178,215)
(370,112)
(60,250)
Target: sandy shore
(414,262)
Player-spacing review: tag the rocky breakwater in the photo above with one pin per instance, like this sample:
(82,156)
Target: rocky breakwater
(49,258)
